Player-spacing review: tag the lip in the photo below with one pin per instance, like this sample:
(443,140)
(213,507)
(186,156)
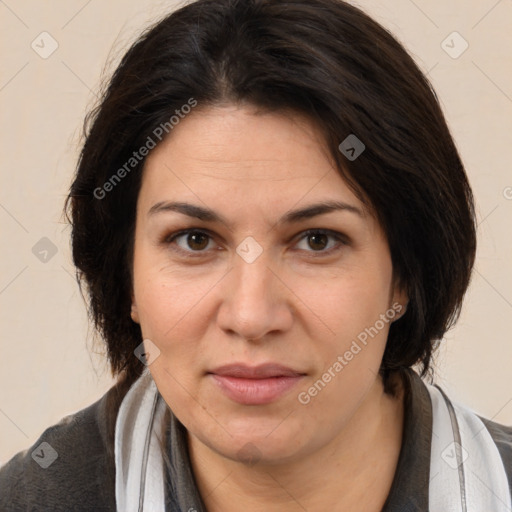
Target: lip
(261,371)
(255,385)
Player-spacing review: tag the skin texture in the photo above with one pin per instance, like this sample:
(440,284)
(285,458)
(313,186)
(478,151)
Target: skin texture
(296,304)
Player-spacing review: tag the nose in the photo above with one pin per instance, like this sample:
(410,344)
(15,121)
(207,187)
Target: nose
(255,301)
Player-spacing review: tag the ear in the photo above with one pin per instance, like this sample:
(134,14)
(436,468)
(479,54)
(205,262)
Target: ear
(399,300)
(134,313)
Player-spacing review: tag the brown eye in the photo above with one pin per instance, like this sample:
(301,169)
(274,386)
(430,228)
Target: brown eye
(197,240)
(189,242)
(321,241)
(318,241)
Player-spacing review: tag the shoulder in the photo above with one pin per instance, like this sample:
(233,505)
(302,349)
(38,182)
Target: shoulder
(502,436)
(71,465)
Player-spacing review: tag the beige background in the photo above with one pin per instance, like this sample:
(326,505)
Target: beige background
(48,368)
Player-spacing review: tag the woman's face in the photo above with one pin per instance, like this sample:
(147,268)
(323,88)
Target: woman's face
(249,287)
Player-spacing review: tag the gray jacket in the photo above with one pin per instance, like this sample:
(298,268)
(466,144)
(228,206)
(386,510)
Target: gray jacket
(82,477)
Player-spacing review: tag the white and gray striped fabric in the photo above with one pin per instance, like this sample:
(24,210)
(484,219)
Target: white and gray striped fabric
(466,470)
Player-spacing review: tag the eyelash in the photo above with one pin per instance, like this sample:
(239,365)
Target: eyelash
(168,240)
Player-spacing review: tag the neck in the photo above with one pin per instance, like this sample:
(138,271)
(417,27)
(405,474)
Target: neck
(361,458)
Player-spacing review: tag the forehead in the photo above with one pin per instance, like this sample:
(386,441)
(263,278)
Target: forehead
(239,137)
(227,155)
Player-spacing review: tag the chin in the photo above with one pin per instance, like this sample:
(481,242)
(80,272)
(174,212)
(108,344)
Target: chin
(268,443)
(261,451)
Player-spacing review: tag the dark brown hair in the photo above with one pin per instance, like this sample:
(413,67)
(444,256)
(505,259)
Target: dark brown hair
(322,58)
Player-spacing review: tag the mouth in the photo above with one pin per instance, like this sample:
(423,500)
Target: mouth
(255,385)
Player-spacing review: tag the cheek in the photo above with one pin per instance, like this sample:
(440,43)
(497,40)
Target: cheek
(169,312)
(351,343)
(174,314)
(345,304)
(357,320)
(167,298)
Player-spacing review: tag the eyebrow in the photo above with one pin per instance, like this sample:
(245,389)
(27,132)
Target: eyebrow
(294,216)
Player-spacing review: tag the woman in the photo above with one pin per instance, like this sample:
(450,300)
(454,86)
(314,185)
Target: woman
(274,226)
